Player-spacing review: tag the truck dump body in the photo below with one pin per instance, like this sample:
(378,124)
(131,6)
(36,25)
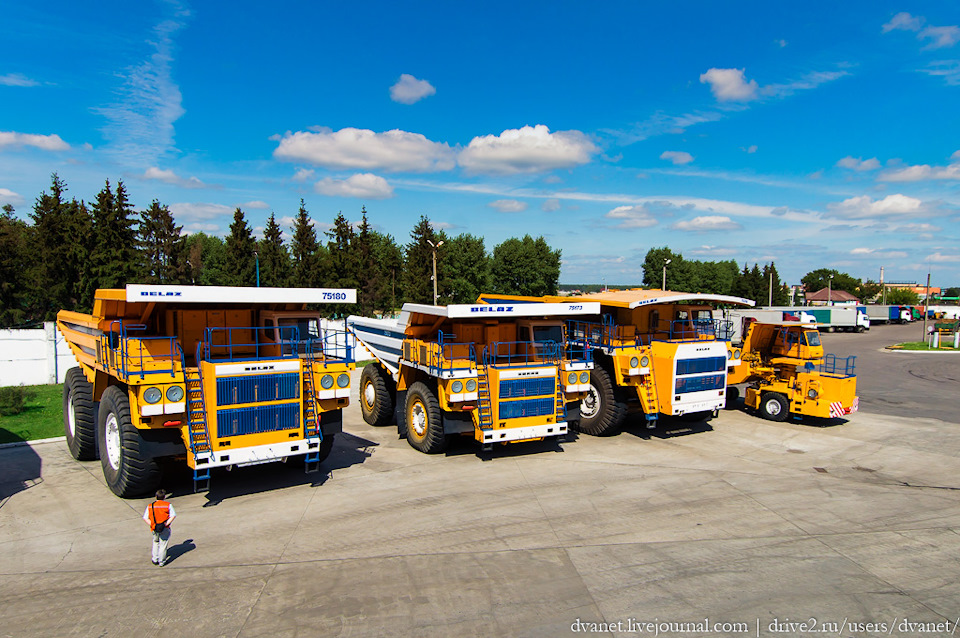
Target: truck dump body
(217,376)
(656,351)
(499,373)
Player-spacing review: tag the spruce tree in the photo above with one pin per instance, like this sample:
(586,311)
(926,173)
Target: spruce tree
(418,263)
(344,263)
(303,248)
(274,257)
(114,261)
(368,271)
(15,252)
(162,248)
(240,261)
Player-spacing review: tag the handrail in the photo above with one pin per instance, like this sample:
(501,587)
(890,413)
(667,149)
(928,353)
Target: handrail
(832,365)
(509,352)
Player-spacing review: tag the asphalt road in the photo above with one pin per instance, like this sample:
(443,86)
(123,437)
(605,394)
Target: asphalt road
(901,383)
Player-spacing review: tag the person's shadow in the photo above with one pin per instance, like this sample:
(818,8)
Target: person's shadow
(176,551)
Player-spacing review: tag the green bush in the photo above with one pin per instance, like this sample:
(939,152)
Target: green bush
(12,399)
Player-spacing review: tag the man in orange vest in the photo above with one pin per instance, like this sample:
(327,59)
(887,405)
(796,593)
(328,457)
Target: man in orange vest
(159,516)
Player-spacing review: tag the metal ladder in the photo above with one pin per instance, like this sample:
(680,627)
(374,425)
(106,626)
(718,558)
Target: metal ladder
(561,409)
(485,404)
(200,445)
(311,416)
(648,398)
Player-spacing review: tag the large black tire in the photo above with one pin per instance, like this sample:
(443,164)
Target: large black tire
(774,406)
(602,411)
(376,400)
(79,416)
(424,426)
(127,470)
(733,395)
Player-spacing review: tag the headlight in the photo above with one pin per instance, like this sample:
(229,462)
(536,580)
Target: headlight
(571,378)
(471,385)
(812,393)
(729,354)
(584,377)
(174,394)
(343,380)
(644,361)
(736,354)
(634,362)
(326,382)
(457,387)
(152,395)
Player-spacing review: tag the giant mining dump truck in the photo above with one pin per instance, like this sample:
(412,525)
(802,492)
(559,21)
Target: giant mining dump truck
(211,376)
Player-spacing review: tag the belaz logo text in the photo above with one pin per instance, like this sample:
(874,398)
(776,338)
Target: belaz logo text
(153,293)
(257,368)
(492,309)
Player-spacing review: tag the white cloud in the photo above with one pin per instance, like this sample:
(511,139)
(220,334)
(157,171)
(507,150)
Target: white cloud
(939,257)
(729,85)
(409,89)
(917,228)
(632,217)
(15,79)
(353,148)
(169,177)
(949,70)
(903,21)
(715,251)
(8,196)
(303,174)
(809,81)
(139,126)
(43,142)
(361,185)
(750,149)
(255,205)
(707,223)
(923,172)
(677,157)
(859,164)
(529,149)
(864,207)
(509,205)
(203,217)
(781,43)
(550,205)
(940,37)
(879,253)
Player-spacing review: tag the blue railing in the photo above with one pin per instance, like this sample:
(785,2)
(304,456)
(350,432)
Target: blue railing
(687,330)
(129,354)
(846,366)
(521,352)
(253,343)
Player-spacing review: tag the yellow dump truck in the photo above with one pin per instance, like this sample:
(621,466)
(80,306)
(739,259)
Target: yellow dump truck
(788,373)
(655,352)
(498,374)
(213,376)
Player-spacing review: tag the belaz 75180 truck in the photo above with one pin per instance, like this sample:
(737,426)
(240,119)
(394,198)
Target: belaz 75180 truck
(214,376)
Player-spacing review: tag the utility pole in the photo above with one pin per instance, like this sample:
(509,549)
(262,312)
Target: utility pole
(664,285)
(770,296)
(257,257)
(830,291)
(926,306)
(434,247)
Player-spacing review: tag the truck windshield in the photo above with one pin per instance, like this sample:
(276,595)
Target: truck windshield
(813,338)
(307,327)
(548,333)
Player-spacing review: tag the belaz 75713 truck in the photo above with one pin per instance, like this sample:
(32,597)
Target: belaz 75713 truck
(496,373)
(214,376)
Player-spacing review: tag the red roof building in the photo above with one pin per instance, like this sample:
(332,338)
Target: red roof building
(827,296)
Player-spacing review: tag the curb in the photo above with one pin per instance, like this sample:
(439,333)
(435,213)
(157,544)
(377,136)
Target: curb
(55,439)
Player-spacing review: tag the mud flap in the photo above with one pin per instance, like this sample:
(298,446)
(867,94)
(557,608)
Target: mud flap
(399,413)
(457,423)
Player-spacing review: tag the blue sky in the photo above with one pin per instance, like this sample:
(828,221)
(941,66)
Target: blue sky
(815,134)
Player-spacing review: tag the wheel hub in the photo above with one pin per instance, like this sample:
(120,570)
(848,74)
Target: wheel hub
(418,419)
(112,438)
(773,407)
(369,394)
(71,416)
(591,403)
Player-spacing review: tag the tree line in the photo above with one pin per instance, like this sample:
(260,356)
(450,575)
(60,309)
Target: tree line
(72,248)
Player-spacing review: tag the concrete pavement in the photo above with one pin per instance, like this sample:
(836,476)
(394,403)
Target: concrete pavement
(736,521)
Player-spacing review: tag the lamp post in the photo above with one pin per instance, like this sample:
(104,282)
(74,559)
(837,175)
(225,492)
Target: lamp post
(830,291)
(257,258)
(664,284)
(435,247)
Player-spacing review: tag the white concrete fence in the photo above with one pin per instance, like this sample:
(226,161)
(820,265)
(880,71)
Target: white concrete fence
(34,357)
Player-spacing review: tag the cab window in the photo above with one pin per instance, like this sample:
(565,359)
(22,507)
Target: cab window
(548,333)
(812,338)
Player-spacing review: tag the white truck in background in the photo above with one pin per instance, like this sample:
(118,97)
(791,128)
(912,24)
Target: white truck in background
(733,327)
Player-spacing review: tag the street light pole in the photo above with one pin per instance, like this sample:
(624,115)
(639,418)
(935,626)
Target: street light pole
(434,247)
(257,257)
(830,291)
(664,284)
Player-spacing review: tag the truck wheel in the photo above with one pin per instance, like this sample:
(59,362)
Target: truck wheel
(127,470)
(424,429)
(733,395)
(326,445)
(79,416)
(376,401)
(774,406)
(601,412)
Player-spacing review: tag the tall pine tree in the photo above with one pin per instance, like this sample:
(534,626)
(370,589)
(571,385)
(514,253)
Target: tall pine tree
(240,261)
(114,261)
(162,248)
(274,257)
(418,263)
(303,249)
